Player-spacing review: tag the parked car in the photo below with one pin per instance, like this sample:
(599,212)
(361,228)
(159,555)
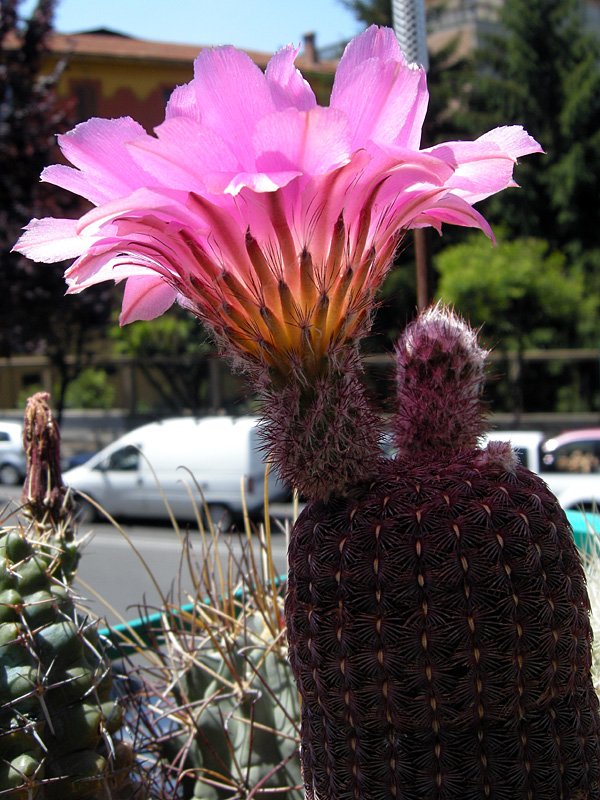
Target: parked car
(12,454)
(184,459)
(569,462)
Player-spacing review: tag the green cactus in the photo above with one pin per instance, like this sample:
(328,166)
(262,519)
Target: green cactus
(55,683)
(56,711)
(227,689)
(245,732)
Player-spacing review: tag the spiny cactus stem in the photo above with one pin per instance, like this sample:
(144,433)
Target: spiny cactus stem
(43,492)
(321,432)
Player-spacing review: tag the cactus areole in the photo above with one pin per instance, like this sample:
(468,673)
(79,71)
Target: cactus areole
(437,614)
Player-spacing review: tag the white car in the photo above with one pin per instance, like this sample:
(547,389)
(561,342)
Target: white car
(570,464)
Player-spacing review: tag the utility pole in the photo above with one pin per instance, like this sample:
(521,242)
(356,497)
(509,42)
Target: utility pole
(411,32)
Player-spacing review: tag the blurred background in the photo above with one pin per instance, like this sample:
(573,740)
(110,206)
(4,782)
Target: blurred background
(537,294)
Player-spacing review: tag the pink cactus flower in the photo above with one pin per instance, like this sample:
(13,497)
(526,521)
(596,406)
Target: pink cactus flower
(272,218)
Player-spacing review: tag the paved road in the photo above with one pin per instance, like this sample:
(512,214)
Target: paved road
(131,566)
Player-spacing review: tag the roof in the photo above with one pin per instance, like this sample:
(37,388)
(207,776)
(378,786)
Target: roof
(111,44)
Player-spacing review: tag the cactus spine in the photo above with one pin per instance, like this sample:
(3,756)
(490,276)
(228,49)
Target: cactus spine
(438,619)
(56,711)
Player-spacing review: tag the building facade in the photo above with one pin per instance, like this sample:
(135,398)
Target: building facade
(109,75)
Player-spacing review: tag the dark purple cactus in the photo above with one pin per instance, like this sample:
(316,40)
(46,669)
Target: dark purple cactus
(437,614)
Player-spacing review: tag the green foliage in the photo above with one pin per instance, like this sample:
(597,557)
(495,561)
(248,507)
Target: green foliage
(172,334)
(520,291)
(173,354)
(524,295)
(90,389)
(371,12)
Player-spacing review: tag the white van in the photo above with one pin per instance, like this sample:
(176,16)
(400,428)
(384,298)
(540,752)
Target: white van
(178,455)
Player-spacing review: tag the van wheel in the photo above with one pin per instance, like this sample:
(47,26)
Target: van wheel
(220,516)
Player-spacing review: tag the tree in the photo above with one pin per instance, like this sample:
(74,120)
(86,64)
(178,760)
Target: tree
(35,316)
(173,354)
(371,12)
(542,70)
(521,294)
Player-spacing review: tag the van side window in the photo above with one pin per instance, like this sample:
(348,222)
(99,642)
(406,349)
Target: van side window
(577,457)
(127,458)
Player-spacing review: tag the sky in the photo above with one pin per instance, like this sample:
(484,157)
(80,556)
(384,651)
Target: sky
(264,25)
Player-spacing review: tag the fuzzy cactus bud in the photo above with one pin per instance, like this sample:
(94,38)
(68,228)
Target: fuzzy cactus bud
(440,374)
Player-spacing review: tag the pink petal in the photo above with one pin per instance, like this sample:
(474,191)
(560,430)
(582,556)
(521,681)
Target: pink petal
(232,94)
(97,149)
(455,211)
(512,140)
(324,199)
(311,142)
(375,42)
(288,87)
(392,160)
(385,99)
(106,262)
(485,166)
(167,202)
(228,234)
(145,298)
(182,103)
(184,152)
(233,182)
(50,240)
